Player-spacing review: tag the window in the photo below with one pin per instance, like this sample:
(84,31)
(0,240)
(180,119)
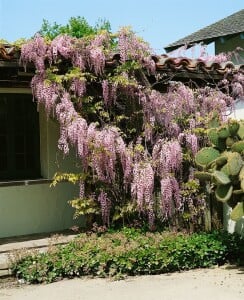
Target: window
(19,137)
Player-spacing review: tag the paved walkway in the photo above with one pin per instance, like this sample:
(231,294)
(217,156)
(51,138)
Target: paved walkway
(36,241)
(211,284)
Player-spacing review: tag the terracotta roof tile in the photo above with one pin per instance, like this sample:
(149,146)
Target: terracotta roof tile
(10,56)
(8,52)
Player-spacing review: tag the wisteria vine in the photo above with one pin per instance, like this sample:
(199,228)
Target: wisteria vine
(128,136)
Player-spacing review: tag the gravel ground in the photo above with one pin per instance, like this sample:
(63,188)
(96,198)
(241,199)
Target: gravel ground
(222,283)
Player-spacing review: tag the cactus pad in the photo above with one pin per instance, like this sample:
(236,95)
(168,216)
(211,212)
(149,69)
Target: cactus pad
(240,131)
(224,192)
(205,156)
(213,135)
(238,211)
(241,174)
(221,145)
(203,176)
(223,132)
(242,183)
(233,126)
(225,170)
(221,177)
(238,146)
(229,141)
(234,163)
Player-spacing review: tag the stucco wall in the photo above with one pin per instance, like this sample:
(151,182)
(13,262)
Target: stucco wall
(34,209)
(37,208)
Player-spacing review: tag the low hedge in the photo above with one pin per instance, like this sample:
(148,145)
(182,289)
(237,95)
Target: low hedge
(129,252)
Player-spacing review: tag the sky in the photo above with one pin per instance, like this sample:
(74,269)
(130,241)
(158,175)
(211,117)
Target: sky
(157,22)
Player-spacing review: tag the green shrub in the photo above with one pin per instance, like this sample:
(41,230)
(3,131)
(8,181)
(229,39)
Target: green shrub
(130,252)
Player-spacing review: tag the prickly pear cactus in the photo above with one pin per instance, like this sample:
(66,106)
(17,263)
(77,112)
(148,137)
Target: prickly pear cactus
(223,166)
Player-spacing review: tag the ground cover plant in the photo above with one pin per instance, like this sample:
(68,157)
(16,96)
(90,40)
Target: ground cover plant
(134,132)
(129,252)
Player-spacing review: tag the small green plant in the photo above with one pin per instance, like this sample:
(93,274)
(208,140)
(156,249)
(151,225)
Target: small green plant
(129,251)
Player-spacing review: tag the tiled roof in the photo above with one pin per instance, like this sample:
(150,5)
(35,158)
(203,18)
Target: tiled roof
(165,63)
(189,64)
(7,52)
(170,68)
(230,25)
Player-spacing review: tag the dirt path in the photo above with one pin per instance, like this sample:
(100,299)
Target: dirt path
(224,283)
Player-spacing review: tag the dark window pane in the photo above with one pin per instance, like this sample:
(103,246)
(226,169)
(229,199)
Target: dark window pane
(30,160)
(3,115)
(19,126)
(3,104)
(3,144)
(30,142)
(20,161)
(3,162)
(3,124)
(19,144)
(19,137)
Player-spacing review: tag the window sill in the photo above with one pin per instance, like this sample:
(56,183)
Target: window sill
(25,182)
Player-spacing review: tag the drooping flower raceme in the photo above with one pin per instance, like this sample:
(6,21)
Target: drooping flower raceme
(142,187)
(35,51)
(170,197)
(105,203)
(167,157)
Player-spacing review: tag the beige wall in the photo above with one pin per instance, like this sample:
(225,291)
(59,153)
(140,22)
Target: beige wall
(37,208)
